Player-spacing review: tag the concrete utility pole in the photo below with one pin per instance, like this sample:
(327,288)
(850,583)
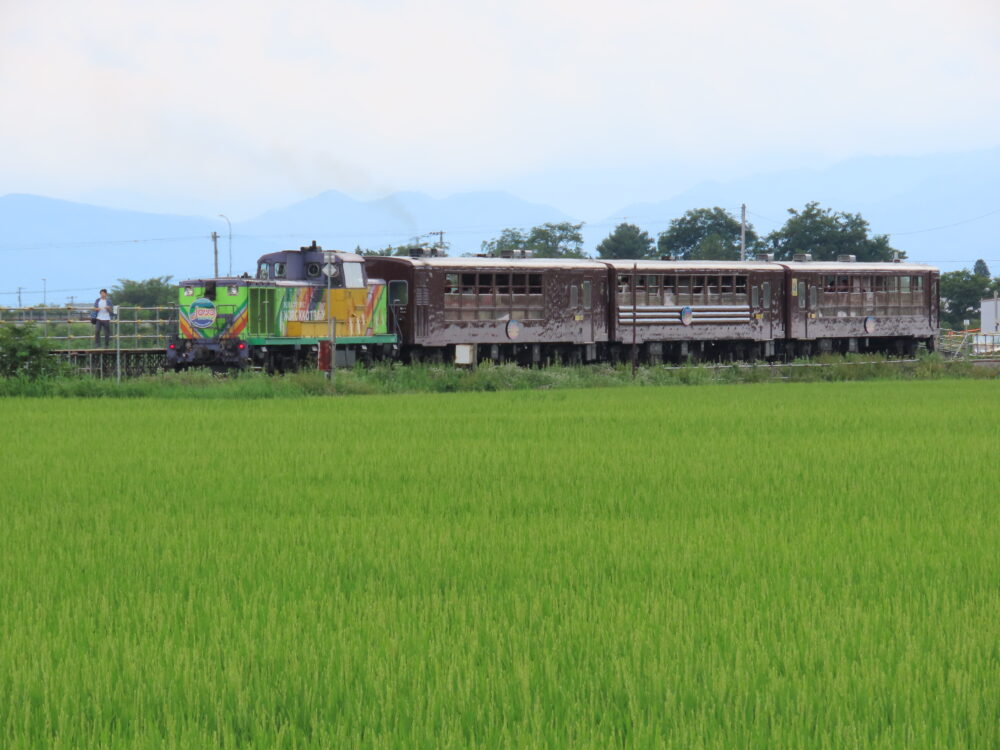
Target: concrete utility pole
(45,302)
(440,242)
(19,295)
(215,252)
(743,231)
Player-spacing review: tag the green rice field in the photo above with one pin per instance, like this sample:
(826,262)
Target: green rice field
(810,565)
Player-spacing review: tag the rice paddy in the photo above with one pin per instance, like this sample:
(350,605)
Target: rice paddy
(793,565)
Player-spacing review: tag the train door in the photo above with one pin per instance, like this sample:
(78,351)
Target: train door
(421,300)
(399,301)
(580,309)
(760,309)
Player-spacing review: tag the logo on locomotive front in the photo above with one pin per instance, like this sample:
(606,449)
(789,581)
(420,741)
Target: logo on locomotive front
(202,313)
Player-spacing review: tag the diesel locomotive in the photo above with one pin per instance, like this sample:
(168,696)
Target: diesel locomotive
(278,318)
(533,311)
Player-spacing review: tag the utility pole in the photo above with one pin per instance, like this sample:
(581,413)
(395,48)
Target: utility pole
(45,302)
(743,231)
(440,242)
(223,216)
(215,252)
(19,295)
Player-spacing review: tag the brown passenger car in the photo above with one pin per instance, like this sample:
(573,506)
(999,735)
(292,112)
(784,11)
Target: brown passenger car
(472,308)
(675,309)
(847,306)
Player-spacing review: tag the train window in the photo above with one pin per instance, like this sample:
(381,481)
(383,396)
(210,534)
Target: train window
(264,271)
(829,283)
(502,281)
(755,296)
(712,283)
(726,284)
(813,297)
(697,284)
(684,287)
(843,284)
(765,290)
(588,296)
(232,291)
(904,284)
(741,285)
(574,295)
(534,283)
(669,283)
(802,295)
(188,291)
(485,283)
(312,270)
(279,270)
(624,282)
(468,283)
(354,275)
(653,285)
(519,283)
(891,283)
(918,283)
(880,283)
(451,283)
(398,293)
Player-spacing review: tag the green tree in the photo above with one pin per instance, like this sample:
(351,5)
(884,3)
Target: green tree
(154,292)
(961,292)
(509,241)
(825,234)
(550,240)
(705,234)
(981,269)
(24,353)
(626,242)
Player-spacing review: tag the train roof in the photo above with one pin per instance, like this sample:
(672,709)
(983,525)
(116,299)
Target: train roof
(491,262)
(733,266)
(834,267)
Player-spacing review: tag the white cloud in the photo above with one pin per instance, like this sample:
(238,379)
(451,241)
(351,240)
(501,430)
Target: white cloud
(248,98)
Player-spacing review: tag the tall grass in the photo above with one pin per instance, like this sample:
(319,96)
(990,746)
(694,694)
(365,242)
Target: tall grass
(387,379)
(752,566)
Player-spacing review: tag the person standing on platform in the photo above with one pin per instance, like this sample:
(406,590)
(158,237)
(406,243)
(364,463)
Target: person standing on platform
(102,319)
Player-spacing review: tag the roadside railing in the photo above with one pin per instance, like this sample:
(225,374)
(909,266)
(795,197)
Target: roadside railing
(969,344)
(70,327)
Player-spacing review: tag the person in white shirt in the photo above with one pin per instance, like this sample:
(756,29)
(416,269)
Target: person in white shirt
(102,319)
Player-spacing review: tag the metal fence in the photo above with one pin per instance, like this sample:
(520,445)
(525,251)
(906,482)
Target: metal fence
(969,344)
(70,327)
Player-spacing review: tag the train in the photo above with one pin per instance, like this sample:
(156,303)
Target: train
(534,311)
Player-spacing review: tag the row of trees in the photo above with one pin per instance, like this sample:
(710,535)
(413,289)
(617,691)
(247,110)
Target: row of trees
(710,234)
(961,293)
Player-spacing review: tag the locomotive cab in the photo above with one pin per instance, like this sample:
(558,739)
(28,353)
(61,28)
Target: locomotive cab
(313,266)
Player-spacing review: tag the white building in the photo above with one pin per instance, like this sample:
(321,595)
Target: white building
(989,310)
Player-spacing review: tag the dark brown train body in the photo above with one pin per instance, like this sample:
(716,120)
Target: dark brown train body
(537,310)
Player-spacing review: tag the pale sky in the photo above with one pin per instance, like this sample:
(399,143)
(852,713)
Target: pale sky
(240,105)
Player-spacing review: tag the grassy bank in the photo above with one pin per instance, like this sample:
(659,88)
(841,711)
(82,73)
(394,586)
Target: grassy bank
(388,379)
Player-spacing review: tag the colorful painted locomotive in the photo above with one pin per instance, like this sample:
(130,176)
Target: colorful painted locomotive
(277,320)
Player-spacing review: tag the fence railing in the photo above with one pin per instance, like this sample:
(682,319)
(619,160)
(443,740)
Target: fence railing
(971,343)
(70,327)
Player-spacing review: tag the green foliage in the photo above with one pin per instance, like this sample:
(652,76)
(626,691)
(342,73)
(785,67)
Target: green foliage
(961,293)
(550,240)
(24,353)
(705,234)
(154,292)
(825,234)
(626,242)
(803,566)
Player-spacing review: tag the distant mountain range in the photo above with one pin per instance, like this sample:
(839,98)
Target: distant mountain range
(940,209)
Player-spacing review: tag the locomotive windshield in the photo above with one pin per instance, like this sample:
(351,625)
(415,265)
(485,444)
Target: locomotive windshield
(354,275)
